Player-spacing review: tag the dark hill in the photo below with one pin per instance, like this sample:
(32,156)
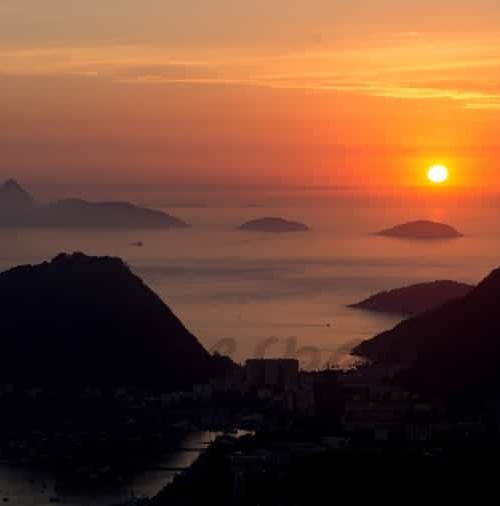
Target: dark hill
(274,225)
(453,348)
(421,230)
(415,298)
(89,320)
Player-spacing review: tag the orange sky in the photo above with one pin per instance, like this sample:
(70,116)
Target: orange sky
(310,92)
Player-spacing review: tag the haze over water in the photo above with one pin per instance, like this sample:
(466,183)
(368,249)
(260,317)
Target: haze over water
(253,294)
(349,117)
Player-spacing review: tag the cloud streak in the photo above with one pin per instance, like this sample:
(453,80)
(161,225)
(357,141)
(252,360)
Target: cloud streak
(411,69)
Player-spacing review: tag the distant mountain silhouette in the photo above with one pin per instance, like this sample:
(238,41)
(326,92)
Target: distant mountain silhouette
(19,209)
(274,225)
(421,230)
(12,194)
(17,206)
(414,298)
(89,320)
(74,213)
(453,348)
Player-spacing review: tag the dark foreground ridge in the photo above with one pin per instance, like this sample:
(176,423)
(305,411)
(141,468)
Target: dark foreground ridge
(423,230)
(414,299)
(90,320)
(94,366)
(274,225)
(453,348)
(19,209)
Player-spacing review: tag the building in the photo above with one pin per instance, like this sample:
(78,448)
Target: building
(273,373)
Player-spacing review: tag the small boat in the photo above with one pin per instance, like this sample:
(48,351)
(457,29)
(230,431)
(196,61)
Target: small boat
(138,244)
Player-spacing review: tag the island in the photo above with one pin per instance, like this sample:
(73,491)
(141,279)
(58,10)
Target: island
(19,209)
(274,225)
(421,230)
(414,299)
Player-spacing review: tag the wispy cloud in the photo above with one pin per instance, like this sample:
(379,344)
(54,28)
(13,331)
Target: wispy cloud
(478,105)
(469,99)
(413,68)
(8,8)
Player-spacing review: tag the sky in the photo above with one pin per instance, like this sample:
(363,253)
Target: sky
(269,92)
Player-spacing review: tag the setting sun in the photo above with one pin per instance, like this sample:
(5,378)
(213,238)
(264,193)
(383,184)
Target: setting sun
(437,174)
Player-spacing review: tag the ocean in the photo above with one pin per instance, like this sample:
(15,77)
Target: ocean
(256,294)
(25,486)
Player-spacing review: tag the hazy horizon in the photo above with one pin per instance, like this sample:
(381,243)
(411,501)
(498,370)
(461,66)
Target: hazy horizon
(265,196)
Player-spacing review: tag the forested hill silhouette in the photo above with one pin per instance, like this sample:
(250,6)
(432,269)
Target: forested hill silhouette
(454,348)
(19,209)
(90,320)
(414,299)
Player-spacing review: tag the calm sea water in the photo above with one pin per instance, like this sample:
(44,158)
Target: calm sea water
(251,294)
(30,487)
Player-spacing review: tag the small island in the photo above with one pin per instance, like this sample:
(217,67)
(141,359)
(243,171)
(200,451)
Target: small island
(414,299)
(421,230)
(274,225)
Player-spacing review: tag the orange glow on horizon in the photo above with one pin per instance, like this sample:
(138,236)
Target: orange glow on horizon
(317,97)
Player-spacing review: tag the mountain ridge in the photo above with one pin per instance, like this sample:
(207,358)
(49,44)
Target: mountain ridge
(19,209)
(452,348)
(90,320)
(413,299)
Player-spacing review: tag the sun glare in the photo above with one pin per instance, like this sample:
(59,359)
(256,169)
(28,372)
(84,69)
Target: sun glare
(437,174)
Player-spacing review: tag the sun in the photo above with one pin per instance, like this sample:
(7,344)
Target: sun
(438,174)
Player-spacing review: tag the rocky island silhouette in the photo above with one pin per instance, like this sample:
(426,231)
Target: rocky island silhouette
(421,230)
(274,225)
